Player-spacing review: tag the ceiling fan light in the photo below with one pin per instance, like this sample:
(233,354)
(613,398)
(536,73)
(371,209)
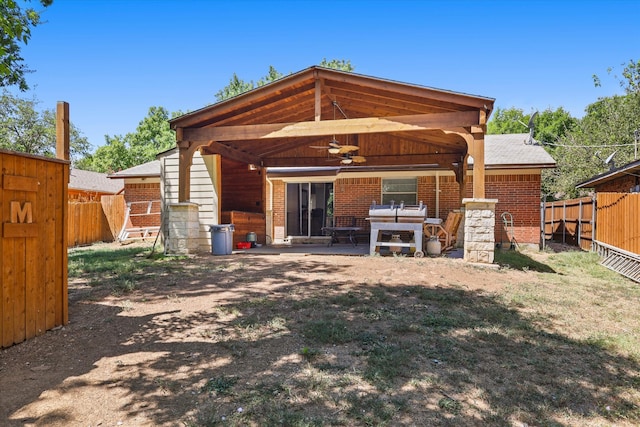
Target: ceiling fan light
(346,161)
(334,150)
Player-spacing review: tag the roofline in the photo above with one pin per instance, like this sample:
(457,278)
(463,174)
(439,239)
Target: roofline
(141,175)
(284,81)
(520,166)
(331,171)
(609,175)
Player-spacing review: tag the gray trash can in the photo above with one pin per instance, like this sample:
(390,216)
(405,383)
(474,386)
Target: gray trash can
(221,239)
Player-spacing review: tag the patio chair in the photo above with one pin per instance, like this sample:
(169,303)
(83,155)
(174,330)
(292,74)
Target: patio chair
(446,233)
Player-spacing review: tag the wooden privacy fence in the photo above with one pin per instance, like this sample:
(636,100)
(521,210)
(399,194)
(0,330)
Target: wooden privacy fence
(618,222)
(569,221)
(613,217)
(33,246)
(94,221)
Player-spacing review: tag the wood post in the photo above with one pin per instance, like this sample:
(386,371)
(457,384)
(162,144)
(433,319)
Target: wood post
(62,130)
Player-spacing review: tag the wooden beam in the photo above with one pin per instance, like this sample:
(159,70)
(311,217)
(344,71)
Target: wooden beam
(62,130)
(185,156)
(229,153)
(475,143)
(284,86)
(478,166)
(318,99)
(377,84)
(442,160)
(416,122)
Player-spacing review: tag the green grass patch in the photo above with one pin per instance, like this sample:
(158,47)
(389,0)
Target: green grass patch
(327,331)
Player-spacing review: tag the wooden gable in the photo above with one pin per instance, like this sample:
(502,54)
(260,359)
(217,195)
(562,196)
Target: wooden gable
(392,123)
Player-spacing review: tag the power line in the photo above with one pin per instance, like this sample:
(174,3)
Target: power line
(587,146)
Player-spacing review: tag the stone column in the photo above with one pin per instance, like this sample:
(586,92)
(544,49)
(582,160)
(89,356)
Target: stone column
(479,230)
(183,228)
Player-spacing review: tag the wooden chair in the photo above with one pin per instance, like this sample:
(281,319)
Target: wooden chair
(446,233)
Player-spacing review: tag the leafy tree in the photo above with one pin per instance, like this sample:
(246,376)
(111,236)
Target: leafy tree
(238,86)
(24,129)
(15,29)
(152,136)
(510,120)
(549,125)
(235,87)
(337,64)
(630,80)
(608,127)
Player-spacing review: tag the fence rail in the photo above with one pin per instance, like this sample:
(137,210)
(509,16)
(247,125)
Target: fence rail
(607,224)
(617,220)
(570,221)
(91,222)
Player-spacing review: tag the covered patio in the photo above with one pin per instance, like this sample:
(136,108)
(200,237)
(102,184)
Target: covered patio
(294,121)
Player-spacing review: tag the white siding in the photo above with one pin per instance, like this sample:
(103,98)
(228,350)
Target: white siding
(202,192)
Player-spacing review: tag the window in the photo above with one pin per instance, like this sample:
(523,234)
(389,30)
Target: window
(400,190)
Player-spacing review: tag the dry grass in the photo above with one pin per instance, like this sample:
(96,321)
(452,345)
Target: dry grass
(549,339)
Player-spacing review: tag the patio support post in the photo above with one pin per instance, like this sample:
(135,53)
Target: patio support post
(184,167)
(479,230)
(477,151)
(478,166)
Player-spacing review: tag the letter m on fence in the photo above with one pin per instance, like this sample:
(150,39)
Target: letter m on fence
(21,214)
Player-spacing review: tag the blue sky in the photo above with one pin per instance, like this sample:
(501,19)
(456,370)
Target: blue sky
(112,60)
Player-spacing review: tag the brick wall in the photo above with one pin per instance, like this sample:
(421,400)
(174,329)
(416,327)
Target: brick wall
(619,185)
(143,192)
(279,196)
(516,194)
(353,196)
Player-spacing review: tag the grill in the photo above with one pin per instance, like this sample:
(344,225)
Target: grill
(397,218)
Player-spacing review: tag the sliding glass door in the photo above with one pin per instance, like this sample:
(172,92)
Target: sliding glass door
(308,205)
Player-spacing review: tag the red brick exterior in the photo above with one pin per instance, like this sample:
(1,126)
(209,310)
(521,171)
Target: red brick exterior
(622,184)
(517,194)
(520,196)
(279,197)
(353,196)
(143,193)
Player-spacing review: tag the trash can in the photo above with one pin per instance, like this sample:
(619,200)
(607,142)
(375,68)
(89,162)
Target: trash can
(221,239)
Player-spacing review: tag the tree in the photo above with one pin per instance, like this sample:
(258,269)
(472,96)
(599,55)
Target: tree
(549,125)
(238,86)
(15,26)
(24,129)
(510,120)
(337,64)
(608,128)
(152,136)
(235,87)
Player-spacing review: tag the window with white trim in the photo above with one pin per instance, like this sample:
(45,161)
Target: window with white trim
(400,190)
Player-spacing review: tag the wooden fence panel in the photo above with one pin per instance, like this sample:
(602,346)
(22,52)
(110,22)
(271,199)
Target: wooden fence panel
(113,208)
(33,260)
(617,223)
(95,221)
(570,221)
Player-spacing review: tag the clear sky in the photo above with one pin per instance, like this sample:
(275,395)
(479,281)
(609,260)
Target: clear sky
(112,60)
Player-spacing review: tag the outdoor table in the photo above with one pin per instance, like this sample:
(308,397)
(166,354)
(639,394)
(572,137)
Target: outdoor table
(334,232)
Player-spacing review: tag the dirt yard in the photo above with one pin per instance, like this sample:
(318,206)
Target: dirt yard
(303,340)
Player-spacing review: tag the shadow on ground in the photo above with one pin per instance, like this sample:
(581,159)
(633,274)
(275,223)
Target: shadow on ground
(305,342)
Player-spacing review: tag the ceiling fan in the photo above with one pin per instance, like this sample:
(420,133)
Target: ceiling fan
(343,152)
